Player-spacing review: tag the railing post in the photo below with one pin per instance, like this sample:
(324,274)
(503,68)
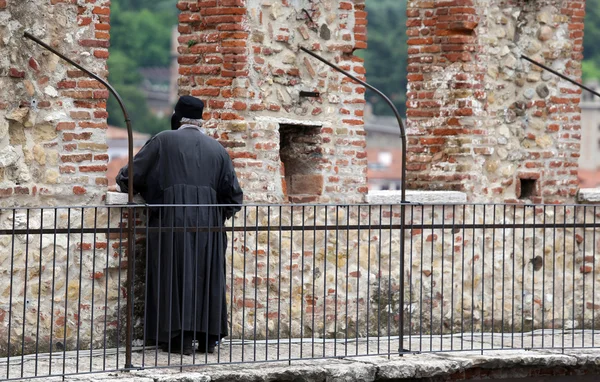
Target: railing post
(403,180)
(130,210)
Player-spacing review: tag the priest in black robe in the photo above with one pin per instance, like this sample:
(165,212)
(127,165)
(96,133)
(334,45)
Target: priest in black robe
(186,270)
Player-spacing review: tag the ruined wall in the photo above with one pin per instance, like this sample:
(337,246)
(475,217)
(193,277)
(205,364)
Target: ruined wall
(242,58)
(53,152)
(480,118)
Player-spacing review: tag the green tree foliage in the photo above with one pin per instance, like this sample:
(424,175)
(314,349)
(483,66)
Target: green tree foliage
(386,56)
(591,48)
(140,37)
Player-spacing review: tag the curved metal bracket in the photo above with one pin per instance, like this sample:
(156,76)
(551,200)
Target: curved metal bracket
(401,350)
(130,212)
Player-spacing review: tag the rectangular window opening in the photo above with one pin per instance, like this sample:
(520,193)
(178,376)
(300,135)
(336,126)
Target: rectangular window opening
(301,158)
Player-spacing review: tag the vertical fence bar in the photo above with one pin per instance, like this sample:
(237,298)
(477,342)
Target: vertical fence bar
(564,280)
(389,288)
(53,290)
(544,279)
(119,285)
(256,281)
(183,268)
(368,327)
(532,278)
(482,319)
(379,274)
(39,299)
(325,284)
(432,275)
(81,244)
(93,288)
(553,274)
(573,316)
(452,276)
(146,287)
(10,298)
(302,270)
(278,286)
(232,284)
(502,322)
(67,291)
(594,248)
(335,296)
(514,232)
(473,279)
(347,294)
(493,299)
(583,279)
(421,331)
(442,285)
(108,238)
(158,282)
(523,280)
(357,277)
(25,302)
(267,316)
(462,291)
(314,296)
(290,319)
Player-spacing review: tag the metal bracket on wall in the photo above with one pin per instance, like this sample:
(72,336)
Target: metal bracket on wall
(309,94)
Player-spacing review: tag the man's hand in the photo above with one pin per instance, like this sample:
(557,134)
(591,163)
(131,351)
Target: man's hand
(114,188)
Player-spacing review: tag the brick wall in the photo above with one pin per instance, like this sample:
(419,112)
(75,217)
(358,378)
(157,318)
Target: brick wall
(52,117)
(241,57)
(480,118)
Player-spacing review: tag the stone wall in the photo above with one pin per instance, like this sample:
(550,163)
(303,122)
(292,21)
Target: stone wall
(330,282)
(483,120)
(53,117)
(242,58)
(53,152)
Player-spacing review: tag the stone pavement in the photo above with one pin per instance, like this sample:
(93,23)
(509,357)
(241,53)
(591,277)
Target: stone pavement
(342,364)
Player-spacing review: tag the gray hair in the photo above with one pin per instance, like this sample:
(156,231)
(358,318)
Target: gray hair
(195,122)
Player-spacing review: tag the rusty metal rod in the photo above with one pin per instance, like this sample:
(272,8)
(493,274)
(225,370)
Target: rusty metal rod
(402,182)
(130,249)
(561,75)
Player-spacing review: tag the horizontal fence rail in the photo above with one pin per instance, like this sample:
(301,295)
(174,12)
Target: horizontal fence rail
(290,282)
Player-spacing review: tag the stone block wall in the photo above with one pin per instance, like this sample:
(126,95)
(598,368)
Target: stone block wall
(53,152)
(483,120)
(333,283)
(52,116)
(242,58)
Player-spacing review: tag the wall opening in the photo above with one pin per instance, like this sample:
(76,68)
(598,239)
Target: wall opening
(301,155)
(528,188)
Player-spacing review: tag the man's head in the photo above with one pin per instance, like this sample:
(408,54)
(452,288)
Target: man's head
(188,110)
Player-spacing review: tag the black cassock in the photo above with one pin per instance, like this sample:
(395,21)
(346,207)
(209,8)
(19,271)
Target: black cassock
(186,271)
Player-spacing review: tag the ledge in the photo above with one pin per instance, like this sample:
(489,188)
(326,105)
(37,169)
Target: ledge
(588,196)
(121,199)
(442,367)
(423,197)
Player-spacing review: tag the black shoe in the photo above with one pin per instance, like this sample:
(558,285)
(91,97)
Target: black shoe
(175,346)
(203,349)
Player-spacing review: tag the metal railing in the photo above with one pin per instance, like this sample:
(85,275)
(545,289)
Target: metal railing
(298,282)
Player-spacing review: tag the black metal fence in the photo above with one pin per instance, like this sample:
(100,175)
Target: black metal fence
(290,282)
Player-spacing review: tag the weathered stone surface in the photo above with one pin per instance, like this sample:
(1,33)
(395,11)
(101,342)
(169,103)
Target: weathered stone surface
(9,156)
(42,133)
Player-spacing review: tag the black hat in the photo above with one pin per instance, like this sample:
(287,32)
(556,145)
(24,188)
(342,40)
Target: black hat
(187,107)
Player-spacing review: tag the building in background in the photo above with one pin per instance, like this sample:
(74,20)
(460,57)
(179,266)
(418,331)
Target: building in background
(384,152)
(116,139)
(159,84)
(589,161)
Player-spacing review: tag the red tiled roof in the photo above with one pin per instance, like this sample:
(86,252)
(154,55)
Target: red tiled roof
(114,132)
(589,178)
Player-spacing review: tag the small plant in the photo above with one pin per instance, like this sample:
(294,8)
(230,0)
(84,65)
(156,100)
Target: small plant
(191,43)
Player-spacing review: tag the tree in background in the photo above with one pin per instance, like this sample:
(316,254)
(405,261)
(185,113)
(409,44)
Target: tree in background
(140,37)
(591,49)
(386,56)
